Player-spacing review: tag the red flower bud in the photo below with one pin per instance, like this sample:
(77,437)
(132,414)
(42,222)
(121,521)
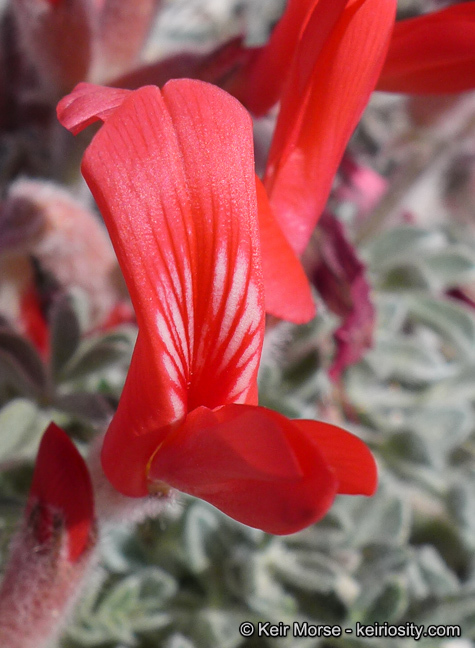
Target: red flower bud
(52,549)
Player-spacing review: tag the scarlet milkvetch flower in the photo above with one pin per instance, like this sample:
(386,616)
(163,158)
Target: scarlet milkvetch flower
(173,174)
(433,53)
(53,548)
(331,52)
(322,62)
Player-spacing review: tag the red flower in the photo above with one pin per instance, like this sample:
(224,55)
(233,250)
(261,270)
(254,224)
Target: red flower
(333,51)
(52,549)
(173,174)
(62,487)
(433,53)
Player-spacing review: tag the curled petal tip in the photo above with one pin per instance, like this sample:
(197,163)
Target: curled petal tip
(350,458)
(88,103)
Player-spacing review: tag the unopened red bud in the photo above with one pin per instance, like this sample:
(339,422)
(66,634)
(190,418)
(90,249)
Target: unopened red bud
(53,549)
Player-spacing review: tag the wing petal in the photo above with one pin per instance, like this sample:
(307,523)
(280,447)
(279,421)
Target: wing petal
(87,104)
(254,464)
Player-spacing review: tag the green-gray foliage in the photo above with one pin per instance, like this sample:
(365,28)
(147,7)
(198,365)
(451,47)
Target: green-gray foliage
(405,555)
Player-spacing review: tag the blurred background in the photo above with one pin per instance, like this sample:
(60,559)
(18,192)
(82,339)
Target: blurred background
(390,355)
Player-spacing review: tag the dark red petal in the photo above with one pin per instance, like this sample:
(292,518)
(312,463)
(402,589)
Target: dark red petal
(320,107)
(433,53)
(61,484)
(183,220)
(340,278)
(88,103)
(351,460)
(254,464)
(287,290)
(213,67)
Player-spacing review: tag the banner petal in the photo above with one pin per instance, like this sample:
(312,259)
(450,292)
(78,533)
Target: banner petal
(172,172)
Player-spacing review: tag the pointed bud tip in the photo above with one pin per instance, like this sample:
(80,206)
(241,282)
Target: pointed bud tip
(62,488)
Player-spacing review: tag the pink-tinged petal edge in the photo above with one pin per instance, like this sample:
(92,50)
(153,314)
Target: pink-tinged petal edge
(433,53)
(320,107)
(88,103)
(192,210)
(253,464)
(62,486)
